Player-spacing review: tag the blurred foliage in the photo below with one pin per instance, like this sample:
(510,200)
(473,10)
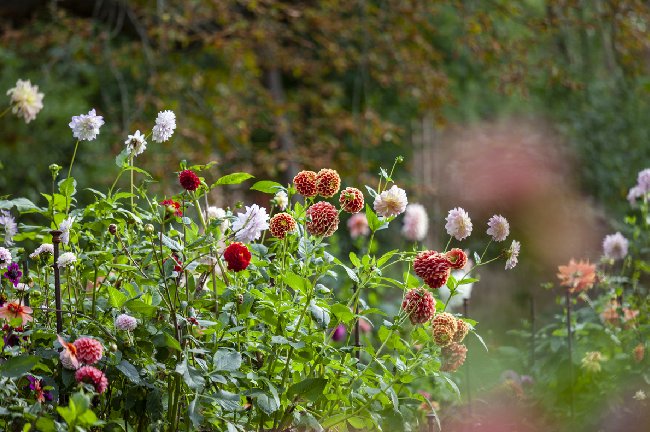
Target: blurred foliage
(271,86)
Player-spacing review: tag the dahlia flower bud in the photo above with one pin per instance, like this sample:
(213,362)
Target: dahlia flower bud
(433,267)
(237,256)
(453,357)
(322,219)
(89,350)
(125,322)
(189,180)
(420,305)
(112,228)
(282,224)
(328,182)
(305,182)
(351,200)
(92,375)
(444,326)
(148,228)
(457,258)
(462,331)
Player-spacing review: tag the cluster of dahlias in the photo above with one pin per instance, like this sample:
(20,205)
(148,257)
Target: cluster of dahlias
(448,333)
(435,267)
(322,217)
(79,355)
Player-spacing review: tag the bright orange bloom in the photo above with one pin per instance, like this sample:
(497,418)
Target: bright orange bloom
(11,310)
(577,276)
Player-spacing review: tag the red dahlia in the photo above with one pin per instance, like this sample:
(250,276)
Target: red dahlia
(351,200)
(433,267)
(457,258)
(453,357)
(328,182)
(237,256)
(305,182)
(173,208)
(420,305)
(322,219)
(189,180)
(281,224)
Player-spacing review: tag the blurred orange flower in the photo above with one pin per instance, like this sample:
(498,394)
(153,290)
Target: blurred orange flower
(577,276)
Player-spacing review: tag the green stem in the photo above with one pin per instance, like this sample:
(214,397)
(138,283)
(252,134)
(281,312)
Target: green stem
(73,156)
(131,165)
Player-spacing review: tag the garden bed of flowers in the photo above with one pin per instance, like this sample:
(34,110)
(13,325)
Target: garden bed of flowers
(143,312)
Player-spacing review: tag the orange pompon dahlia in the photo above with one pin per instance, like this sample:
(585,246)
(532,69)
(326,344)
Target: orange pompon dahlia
(351,200)
(433,267)
(457,258)
(420,305)
(322,219)
(462,331)
(16,309)
(444,326)
(577,276)
(328,183)
(237,256)
(453,357)
(305,182)
(282,224)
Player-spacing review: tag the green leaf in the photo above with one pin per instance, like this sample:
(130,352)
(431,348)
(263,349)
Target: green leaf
(265,402)
(234,178)
(228,401)
(129,371)
(452,385)
(309,389)
(267,186)
(342,312)
(23,205)
(319,314)
(138,306)
(227,360)
(354,260)
(68,187)
(351,273)
(297,283)
(166,340)
(192,376)
(116,298)
(45,424)
(17,366)
(121,159)
(480,340)
(467,281)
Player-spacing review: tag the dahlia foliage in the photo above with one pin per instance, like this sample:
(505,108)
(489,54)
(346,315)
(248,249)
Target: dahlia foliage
(141,312)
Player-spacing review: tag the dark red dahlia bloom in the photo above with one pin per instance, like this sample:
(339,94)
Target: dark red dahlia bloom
(173,208)
(328,182)
(189,180)
(13,273)
(237,256)
(323,219)
(433,267)
(420,305)
(282,224)
(305,182)
(351,200)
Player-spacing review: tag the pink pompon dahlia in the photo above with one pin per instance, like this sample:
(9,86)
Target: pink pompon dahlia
(358,225)
(351,200)
(89,350)
(282,224)
(92,375)
(189,180)
(420,305)
(322,219)
(328,182)
(445,326)
(457,258)
(453,357)
(433,267)
(305,182)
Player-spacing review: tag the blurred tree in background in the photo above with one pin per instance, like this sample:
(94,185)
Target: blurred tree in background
(271,86)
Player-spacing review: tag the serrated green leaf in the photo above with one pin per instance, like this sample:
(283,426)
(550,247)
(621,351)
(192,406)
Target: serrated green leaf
(231,179)
(267,186)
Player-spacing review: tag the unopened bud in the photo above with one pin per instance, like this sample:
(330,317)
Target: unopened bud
(148,228)
(112,228)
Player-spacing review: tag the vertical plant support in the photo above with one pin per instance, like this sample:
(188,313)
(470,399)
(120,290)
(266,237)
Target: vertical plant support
(569,347)
(431,417)
(26,277)
(467,372)
(56,240)
(357,342)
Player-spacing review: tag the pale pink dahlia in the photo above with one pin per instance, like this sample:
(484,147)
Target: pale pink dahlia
(89,350)
(615,246)
(125,322)
(416,222)
(358,225)
(498,228)
(458,225)
(391,202)
(92,375)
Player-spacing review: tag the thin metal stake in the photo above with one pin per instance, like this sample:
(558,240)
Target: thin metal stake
(431,417)
(56,240)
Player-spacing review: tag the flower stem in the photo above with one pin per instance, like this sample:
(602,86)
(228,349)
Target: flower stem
(131,165)
(73,156)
